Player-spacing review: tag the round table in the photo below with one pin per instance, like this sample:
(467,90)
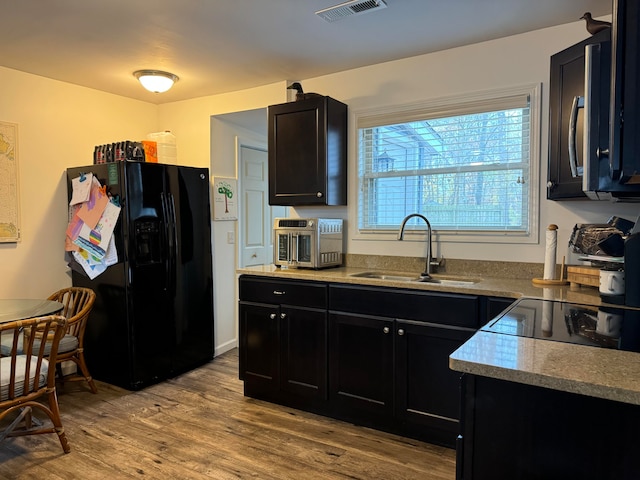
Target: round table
(20,309)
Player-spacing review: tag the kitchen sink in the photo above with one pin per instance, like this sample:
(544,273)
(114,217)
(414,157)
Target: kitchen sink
(399,277)
(453,280)
(387,276)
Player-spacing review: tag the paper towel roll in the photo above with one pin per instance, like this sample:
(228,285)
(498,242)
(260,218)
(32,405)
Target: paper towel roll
(550,253)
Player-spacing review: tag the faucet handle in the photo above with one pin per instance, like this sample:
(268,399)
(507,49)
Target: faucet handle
(435,262)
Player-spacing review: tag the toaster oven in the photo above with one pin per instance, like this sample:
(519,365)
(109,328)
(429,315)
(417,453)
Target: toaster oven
(307,242)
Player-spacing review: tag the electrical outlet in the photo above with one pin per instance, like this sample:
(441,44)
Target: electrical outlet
(231,237)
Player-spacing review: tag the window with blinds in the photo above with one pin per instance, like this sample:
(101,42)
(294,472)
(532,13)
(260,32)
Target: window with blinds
(466,166)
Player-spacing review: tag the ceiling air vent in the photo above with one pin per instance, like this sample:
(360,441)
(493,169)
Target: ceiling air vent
(348,9)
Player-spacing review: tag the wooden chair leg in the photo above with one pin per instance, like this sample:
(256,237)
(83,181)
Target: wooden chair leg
(28,417)
(85,372)
(59,374)
(24,413)
(57,421)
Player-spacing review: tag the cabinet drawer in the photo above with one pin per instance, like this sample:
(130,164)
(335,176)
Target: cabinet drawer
(444,308)
(283,292)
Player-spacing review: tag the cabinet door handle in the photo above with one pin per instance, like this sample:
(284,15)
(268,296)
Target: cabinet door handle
(400,332)
(385,329)
(279,292)
(283,315)
(578,102)
(319,195)
(272,316)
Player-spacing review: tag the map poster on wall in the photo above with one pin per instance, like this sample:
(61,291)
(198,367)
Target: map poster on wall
(9,199)
(225,202)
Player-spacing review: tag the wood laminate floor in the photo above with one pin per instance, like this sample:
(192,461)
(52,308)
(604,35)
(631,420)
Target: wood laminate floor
(200,426)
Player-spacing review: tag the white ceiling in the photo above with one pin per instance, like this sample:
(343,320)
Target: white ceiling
(218,46)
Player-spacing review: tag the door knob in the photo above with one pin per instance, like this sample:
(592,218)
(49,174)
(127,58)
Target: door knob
(272,316)
(385,329)
(400,332)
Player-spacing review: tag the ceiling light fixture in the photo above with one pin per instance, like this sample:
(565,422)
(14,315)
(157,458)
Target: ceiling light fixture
(156,81)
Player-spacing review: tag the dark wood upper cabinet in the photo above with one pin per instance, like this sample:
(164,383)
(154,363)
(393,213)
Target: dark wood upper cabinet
(308,152)
(614,139)
(624,158)
(566,83)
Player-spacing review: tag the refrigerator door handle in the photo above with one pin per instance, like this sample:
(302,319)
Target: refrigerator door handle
(169,242)
(173,243)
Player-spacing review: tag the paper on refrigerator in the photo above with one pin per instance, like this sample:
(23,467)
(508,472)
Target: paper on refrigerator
(81,189)
(93,267)
(96,240)
(91,210)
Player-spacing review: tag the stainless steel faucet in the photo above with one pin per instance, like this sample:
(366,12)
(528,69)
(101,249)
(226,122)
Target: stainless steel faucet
(427,271)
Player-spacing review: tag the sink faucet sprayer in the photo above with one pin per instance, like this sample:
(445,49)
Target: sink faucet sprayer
(427,272)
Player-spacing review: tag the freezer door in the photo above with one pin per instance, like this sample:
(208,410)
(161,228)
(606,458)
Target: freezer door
(107,341)
(150,273)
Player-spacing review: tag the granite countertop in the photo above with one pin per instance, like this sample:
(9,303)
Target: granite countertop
(490,286)
(598,372)
(592,371)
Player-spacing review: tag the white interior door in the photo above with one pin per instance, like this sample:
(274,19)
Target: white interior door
(256,219)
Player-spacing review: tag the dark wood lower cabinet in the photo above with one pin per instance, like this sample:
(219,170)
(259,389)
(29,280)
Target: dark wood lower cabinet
(516,431)
(495,306)
(395,373)
(361,366)
(303,353)
(371,355)
(427,390)
(283,346)
(389,357)
(259,346)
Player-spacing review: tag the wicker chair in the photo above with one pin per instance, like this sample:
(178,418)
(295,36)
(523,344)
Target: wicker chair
(78,302)
(19,390)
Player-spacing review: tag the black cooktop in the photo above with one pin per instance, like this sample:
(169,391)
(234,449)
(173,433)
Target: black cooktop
(597,326)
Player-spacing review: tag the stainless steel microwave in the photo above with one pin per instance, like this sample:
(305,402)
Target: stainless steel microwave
(307,242)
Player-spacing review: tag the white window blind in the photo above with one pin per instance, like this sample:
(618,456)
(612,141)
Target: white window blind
(465,165)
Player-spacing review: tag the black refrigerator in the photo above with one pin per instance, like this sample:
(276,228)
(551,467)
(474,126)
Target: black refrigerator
(153,315)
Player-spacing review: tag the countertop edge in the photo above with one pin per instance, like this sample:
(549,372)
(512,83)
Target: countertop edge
(596,372)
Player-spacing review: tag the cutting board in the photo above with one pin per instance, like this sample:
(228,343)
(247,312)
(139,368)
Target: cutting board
(578,275)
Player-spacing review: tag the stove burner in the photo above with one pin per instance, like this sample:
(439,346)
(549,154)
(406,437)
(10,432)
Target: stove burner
(598,326)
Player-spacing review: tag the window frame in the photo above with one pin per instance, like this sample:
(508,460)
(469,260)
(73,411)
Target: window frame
(448,106)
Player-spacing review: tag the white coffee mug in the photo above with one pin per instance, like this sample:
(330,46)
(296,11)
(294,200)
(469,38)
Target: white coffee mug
(612,282)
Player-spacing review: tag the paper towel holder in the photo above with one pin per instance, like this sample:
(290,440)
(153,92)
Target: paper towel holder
(543,282)
(550,261)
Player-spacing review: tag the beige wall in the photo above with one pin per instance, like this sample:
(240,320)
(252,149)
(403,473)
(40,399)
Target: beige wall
(60,124)
(517,60)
